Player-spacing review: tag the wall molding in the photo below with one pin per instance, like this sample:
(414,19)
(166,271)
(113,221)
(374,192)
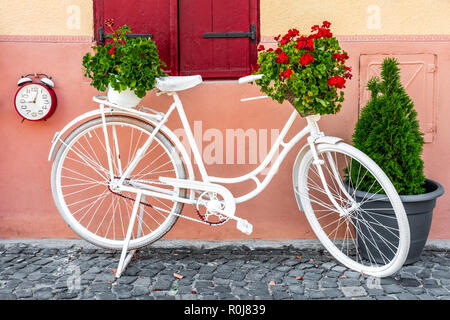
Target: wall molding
(389,38)
(382,38)
(46,38)
(264,39)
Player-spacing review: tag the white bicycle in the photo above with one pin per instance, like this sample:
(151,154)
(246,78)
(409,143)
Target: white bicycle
(120,180)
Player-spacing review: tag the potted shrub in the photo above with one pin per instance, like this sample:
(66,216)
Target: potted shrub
(388,132)
(128,67)
(306,70)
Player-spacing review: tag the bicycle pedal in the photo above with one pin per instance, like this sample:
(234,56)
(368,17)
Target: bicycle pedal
(244,226)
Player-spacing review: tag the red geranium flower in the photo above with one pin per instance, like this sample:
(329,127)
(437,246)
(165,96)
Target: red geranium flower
(261,48)
(285,74)
(282,58)
(254,68)
(341,58)
(324,33)
(315,28)
(326,24)
(293,33)
(286,38)
(348,75)
(111,51)
(306,59)
(305,43)
(337,81)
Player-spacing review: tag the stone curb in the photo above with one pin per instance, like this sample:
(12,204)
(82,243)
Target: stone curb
(434,245)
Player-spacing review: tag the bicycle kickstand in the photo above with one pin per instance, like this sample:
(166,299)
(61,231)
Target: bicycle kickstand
(124,257)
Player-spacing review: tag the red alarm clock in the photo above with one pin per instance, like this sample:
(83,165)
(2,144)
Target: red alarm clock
(35,100)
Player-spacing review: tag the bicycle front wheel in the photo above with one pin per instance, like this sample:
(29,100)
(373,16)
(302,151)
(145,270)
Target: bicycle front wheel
(82,190)
(354,209)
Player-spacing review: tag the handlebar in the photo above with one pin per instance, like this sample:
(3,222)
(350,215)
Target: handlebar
(250,78)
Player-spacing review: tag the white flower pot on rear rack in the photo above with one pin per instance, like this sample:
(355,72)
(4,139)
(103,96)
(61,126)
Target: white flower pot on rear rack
(125,98)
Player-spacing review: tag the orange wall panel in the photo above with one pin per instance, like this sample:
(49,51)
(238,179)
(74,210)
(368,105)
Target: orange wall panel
(27,209)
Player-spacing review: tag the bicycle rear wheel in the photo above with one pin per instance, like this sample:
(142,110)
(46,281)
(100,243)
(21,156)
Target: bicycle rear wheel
(353,226)
(81,189)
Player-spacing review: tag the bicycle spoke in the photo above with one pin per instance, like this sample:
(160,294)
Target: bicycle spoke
(373,243)
(88,164)
(104,194)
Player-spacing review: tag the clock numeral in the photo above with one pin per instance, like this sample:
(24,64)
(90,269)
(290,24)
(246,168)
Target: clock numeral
(23,106)
(44,96)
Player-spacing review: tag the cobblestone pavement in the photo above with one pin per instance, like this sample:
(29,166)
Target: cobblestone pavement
(30,271)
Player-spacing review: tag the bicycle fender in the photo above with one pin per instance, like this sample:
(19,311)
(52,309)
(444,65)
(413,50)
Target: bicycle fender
(327,139)
(298,160)
(56,141)
(57,137)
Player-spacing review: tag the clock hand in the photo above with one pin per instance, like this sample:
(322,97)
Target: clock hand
(35,97)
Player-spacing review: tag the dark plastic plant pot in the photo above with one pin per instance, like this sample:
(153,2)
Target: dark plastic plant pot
(419,209)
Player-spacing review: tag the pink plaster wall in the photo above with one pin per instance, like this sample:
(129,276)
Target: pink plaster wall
(27,209)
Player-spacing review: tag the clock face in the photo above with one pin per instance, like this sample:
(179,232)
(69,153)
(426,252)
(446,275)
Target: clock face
(35,101)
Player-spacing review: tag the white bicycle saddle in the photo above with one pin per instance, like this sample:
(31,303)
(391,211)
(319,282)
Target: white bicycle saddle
(177,83)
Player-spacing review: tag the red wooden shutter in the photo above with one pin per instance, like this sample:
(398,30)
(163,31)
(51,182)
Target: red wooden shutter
(217,57)
(156,17)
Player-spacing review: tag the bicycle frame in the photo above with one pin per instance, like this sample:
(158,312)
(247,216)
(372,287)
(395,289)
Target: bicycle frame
(311,128)
(120,181)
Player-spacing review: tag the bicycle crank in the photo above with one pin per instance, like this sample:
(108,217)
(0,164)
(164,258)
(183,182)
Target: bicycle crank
(224,208)
(207,207)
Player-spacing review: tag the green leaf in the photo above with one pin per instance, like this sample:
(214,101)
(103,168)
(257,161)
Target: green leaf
(135,61)
(322,102)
